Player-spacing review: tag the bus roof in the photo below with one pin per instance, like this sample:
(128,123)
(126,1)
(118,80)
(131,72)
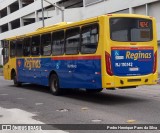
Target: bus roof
(63,25)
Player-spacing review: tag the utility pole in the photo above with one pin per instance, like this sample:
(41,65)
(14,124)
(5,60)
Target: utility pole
(60,8)
(43,24)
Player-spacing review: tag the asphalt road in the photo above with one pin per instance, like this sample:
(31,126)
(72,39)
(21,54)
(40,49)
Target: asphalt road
(140,105)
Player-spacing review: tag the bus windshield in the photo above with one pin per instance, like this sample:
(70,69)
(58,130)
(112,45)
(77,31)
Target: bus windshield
(131,29)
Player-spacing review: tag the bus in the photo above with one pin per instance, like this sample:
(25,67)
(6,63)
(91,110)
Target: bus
(108,51)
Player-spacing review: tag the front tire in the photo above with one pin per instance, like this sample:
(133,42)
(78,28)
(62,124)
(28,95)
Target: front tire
(16,83)
(54,85)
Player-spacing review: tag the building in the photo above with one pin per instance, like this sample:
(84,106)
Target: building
(18,17)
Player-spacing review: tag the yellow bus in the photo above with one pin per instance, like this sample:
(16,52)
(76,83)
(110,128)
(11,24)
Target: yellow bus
(108,51)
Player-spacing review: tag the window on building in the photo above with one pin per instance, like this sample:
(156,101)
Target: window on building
(27,47)
(35,46)
(72,41)
(58,43)
(91,2)
(12,48)
(46,44)
(19,47)
(89,39)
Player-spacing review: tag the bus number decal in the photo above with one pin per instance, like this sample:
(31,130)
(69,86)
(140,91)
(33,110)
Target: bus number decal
(32,63)
(143,24)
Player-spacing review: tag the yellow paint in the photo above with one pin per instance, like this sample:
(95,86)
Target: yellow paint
(8,68)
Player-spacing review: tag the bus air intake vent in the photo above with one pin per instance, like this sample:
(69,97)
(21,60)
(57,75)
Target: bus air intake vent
(134,80)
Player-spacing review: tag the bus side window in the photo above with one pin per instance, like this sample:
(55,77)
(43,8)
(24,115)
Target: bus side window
(46,44)
(35,45)
(58,43)
(5,51)
(27,46)
(12,48)
(19,48)
(89,39)
(72,41)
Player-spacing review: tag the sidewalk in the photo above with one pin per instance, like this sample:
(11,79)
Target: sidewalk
(17,116)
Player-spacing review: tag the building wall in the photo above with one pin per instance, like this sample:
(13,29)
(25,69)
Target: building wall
(33,11)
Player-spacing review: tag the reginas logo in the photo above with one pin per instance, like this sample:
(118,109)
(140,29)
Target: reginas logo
(32,63)
(138,55)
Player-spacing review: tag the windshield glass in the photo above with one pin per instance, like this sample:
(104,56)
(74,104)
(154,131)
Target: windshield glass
(131,29)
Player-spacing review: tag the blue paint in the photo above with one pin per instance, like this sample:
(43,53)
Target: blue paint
(71,73)
(137,64)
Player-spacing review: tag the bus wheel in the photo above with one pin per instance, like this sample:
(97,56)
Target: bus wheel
(16,83)
(54,85)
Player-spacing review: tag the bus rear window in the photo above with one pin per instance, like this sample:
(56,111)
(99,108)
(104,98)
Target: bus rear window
(131,30)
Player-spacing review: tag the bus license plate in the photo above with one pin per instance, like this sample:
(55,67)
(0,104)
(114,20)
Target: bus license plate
(134,69)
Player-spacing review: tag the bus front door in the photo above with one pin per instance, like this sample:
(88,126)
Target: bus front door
(6,67)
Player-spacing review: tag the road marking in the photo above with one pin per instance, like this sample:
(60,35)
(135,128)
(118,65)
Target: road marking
(62,110)
(3,94)
(96,120)
(131,121)
(19,98)
(84,108)
(37,104)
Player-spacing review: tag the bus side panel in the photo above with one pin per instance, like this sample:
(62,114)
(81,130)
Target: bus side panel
(87,74)
(6,72)
(61,66)
(37,71)
(29,71)
(77,72)
(71,73)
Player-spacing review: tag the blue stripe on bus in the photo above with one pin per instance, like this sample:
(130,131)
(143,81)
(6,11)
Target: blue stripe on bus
(81,73)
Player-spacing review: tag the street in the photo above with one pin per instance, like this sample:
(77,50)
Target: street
(136,106)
